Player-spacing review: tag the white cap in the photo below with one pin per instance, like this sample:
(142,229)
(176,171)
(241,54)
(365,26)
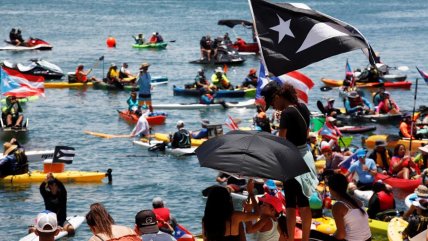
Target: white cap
(180,123)
(46,222)
(158,200)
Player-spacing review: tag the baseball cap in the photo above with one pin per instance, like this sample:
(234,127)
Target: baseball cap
(270,184)
(46,222)
(157,201)
(146,221)
(361,153)
(269,91)
(274,201)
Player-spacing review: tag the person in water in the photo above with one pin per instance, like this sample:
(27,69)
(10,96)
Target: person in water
(356,104)
(55,198)
(387,105)
(139,39)
(12,113)
(14,161)
(82,75)
(181,138)
(251,79)
(46,226)
(146,225)
(145,87)
(220,80)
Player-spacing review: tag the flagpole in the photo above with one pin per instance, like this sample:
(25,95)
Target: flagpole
(413,115)
(257,38)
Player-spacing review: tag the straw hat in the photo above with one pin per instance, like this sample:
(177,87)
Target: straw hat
(422,191)
(8,148)
(144,65)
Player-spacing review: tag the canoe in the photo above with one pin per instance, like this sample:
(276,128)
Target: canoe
(395,229)
(155,118)
(390,118)
(174,151)
(237,93)
(405,185)
(66,176)
(165,138)
(150,45)
(410,199)
(356,129)
(60,85)
(192,106)
(75,221)
(370,142)
(399,84)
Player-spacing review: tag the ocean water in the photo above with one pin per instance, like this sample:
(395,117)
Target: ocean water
(78,30)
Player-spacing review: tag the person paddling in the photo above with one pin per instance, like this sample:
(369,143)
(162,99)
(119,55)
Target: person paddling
(82,75)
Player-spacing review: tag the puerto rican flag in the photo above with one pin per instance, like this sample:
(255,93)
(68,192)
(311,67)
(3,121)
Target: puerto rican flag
(14,83)
(299,81)
(230,123)
(423,74)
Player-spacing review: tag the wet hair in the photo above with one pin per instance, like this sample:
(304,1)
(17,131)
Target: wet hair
(289,93)
(99,217)
(396,148)
(218,210)
(339,184)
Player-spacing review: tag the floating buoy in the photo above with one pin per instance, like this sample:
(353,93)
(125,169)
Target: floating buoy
(111,42)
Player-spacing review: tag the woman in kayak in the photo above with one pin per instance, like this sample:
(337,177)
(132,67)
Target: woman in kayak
(82,75)
(387,105)
(402,165)
(103,227)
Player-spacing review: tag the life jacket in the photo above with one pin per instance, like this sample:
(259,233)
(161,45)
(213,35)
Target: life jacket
(80,77)
(162,214)
(386,201)
(21,161)
(354,102)
(184,141)
(382,159)
(207,99)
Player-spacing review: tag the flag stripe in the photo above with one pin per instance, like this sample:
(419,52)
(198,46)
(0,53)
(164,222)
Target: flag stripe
(15,74)
(423,74)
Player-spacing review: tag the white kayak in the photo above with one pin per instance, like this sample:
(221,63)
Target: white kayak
(173,151)
(24,48)
(75,221)
(35,156)
(190,106)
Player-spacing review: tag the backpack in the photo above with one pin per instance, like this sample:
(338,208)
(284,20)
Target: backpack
(417,224)
(21,161)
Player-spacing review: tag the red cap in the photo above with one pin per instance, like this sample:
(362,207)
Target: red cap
(274,201)
(253,71)
(325,148)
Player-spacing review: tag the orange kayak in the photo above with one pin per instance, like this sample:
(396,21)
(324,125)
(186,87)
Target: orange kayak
(156,119)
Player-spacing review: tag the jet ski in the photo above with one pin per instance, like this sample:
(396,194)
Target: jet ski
(30,44)
(226,54)
(37,67)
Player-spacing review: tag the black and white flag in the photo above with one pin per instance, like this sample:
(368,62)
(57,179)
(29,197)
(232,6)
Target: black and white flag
(293,36)
(63,154)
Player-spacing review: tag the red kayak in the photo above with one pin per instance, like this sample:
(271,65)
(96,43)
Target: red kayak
(405,185)
(399,84)
(248,47)
(156,119)
(356,129)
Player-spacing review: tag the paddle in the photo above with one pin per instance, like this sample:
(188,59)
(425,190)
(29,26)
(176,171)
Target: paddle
(321,107)
(107,136)
(326,88)
(172,41)
(96,64)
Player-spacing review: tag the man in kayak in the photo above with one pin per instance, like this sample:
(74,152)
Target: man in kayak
(365,169)
(12,113)
(205,44)
(145,87)
(46,227)
(251,79)
(201,81)
(139,39)
(330,110)
(159,38)
(203,132)
(181,138)
(146,225)
(166,222)
(220,80)
(125,75)
(113,76)
(357,105)
(14,161)
(142,128)
(82,75)
(382,156)
(55,197)
(387,105)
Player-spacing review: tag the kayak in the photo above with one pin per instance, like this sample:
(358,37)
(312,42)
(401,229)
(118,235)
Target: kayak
(165,138)
(173,151)
(410,199)
(237,93)
(60,85)
(398,84)
(395,229)
(390,118)
(21,130)
(150,45)
(155,118)
(370,142)
(75,221)
(325,225)
(66,176)
(156,80)
(378,227)
(192,106)
(405,185)
(356,129)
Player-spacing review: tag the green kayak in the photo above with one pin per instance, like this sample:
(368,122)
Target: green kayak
(156,46)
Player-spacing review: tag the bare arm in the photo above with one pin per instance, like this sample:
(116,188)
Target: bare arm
(339,211)
(258,226)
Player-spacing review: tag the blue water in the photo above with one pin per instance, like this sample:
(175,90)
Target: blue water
(78,30)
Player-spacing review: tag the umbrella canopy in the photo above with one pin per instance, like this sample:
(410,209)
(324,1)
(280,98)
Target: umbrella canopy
(252,154)
(232,22)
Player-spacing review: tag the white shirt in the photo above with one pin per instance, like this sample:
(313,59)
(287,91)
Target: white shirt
(142,127)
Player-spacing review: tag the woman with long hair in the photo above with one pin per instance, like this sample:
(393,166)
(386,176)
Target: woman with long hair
(401,164)
(294,126)
(102,225)
(351,220)
(220,222)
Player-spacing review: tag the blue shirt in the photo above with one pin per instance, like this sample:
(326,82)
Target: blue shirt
(363,176)
(144,83)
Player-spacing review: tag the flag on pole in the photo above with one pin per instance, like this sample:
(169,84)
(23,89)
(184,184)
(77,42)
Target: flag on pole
(348,68)
(14,83)
(230,123)
(423,74)
(299,81)
(63,154)
(292,36)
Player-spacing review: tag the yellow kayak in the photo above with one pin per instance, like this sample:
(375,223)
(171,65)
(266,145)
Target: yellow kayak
(370,142)
(325,225)
(66,176)
(378,227)
(52,85)
(395,229)
(165,138)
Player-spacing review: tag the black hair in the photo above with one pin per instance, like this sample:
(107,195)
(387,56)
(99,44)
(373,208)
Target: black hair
(396,148)
(289,93)
(339,184)
(218,210)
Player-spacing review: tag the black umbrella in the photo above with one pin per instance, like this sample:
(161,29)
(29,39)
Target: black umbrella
(252,154)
